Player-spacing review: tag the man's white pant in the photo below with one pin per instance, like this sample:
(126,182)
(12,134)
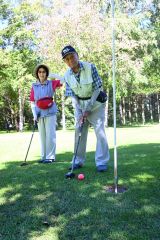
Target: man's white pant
(96,119)
(47,132)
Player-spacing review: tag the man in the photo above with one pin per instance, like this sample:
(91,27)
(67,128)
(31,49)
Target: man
(83,84)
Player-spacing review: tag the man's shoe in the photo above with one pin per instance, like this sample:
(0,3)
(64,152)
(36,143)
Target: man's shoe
(102,168)
(76,166)
(41,161)
(48,161)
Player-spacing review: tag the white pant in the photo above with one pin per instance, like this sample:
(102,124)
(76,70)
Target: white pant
(97,119)
(47,132)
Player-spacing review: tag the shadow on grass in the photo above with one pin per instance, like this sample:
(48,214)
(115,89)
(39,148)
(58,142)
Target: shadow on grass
(138,125)
(82,209)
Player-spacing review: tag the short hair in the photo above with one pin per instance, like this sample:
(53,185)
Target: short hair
(45,67)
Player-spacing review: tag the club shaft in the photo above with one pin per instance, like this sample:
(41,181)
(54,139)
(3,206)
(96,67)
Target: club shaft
(75,155)
(29,147)
(29,144)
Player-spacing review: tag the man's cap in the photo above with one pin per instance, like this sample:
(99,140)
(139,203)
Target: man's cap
(67,50)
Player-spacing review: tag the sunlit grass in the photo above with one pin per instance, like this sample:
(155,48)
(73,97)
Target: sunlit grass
(80,210)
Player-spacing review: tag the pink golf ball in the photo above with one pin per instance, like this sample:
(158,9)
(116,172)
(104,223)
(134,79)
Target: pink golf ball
(80,176)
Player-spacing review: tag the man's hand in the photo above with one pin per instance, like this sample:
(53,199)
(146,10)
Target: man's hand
(83,118)
(85,115)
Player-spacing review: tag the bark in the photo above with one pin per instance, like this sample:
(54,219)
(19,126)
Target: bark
(143,114)
(129,111)
(158,108)
(136,109)
(151,109)
(106,110)
(121,112)
(124,111)
(21,110)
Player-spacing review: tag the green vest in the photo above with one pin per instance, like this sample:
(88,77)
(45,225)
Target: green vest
(83,88)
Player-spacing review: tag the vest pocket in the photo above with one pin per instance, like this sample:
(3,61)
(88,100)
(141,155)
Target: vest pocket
(85,90)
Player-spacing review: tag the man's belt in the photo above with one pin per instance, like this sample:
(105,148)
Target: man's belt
(102,97)
(86,98)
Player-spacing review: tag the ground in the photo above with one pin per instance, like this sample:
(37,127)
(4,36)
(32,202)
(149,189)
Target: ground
(38,203)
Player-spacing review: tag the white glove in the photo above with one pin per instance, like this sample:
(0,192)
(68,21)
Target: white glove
(54,75)
(33,107)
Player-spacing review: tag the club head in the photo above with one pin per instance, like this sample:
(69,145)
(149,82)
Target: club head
(24,164)
(69,175)
(46,223)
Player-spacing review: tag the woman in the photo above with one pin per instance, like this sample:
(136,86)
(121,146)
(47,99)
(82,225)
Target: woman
(44,111)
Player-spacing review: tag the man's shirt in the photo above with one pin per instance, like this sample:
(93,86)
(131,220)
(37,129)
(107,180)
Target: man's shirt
(96,84)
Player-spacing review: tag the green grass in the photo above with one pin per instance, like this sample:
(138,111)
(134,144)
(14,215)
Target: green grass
(81,210)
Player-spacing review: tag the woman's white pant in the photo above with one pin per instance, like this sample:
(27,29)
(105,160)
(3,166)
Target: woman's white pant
(47,132)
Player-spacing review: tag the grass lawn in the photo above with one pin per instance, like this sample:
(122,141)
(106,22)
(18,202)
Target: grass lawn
(81,210)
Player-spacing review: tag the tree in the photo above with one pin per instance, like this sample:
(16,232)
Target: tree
(17,45)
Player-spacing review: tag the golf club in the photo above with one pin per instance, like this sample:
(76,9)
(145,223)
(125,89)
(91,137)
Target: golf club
(25,160)
(71,174)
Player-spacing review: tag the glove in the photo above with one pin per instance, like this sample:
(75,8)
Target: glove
(35,116)
(57,76)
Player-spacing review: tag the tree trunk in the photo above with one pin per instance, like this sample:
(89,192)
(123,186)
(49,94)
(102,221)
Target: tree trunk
(135,110)
(16,124)
(143,114)
(21,110)
(151,109)
(124,111)
(121,112)
(129,111)
(106,110)
(158,107)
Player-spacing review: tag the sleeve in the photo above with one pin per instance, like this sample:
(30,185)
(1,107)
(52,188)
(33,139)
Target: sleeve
(33,107)
(97,87)
(57,76)
(69,92)
(92,101)
(56,84)
(97,81)
(76,106)
(32,95)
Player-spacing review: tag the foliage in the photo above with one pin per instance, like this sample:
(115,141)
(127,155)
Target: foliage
(18,62)
(35,31)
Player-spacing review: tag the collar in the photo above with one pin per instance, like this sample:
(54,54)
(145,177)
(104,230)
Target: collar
(80,66)
(39,83)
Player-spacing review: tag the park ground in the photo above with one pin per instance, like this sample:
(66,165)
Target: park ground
(38,203)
